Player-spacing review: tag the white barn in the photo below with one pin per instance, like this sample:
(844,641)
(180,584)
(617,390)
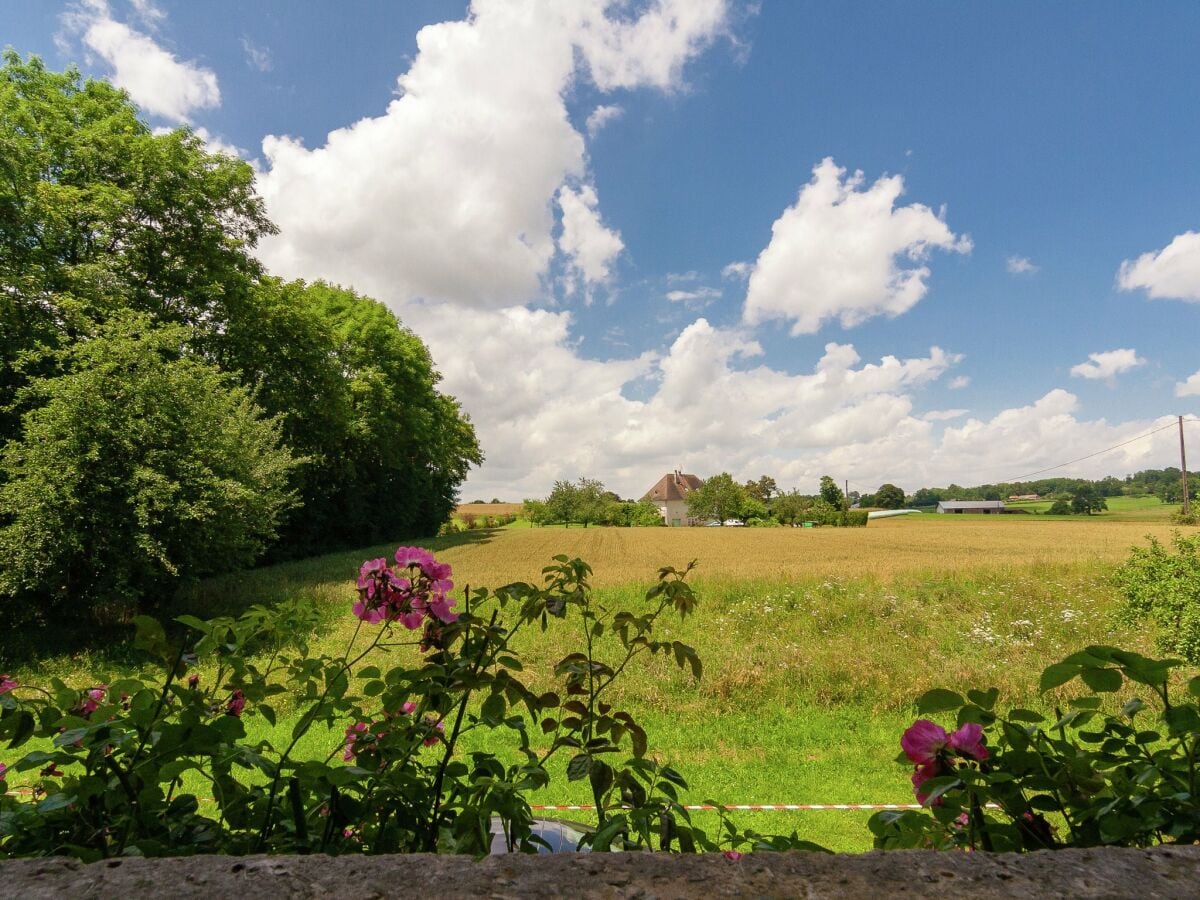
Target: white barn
(987,507)
(670,496)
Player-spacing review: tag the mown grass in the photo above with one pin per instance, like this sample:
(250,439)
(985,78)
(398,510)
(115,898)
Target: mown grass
(815,642)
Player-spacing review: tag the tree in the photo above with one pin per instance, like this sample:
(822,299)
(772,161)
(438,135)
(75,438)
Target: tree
(1087,500)
(720,498)
(831,493)
(141,466)
(1059,507)
(562,502)
(889,497)
(591,504)
(99,216)
(791,507)
(763,489)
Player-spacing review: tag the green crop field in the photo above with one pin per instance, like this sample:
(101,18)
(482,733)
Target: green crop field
(814,641)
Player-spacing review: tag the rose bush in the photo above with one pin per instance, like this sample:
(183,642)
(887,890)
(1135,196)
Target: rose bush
(1122,776)
(157,766)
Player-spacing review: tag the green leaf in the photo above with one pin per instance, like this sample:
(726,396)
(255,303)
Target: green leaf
(984,699)
(151,638)
(510,662)
(25,726)
(1194,686)
(1102,680)
(579,767)
(494,707)
(267,712)
(938,700)
(1058,674)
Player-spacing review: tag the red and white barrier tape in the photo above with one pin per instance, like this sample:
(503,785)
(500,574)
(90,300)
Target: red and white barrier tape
(753,807)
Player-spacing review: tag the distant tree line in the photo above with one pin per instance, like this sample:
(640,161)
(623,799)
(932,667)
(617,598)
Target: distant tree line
(1166,484)
(169,410)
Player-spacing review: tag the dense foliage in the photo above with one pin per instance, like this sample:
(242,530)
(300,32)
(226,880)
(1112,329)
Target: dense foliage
(139,464)
(1089,777)
(1164,587)
(102,221)
(127,768)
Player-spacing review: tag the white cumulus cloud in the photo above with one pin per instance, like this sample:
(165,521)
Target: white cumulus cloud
(590,248)
(1021,265)
(449,194)
(1172,272)
(844,251)
(958,382)
(1108,365)
(601,116)
(1189,387)
(157,81)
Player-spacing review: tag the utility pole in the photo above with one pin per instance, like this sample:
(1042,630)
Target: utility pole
(1187,507)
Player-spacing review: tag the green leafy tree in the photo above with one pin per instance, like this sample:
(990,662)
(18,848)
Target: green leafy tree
(1087,500)
(100,214)
(889,497)
(1059,507)
(1164,587)
(831,493)
(720,498)
(762,490)
(591,502)
(791,507)
(141,466)
(562,503)
(644,514)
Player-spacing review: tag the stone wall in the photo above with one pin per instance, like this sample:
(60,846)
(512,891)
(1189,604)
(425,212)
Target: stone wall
(1165,872)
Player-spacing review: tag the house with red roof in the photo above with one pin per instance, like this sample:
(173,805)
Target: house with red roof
(670,494)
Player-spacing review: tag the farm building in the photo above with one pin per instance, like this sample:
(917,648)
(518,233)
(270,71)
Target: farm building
(670,496)
(987,507)
(1017,498)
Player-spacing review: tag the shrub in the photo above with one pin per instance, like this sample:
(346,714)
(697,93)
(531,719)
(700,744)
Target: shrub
(1059,507)
(141,466)
(118,761)
(1124,778)
(1165,588)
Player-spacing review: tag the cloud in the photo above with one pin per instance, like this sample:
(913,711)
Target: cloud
(943,415)
(449,195)
(838,252)
(738,270)
(701,295)
(1108,365)
(1190,387)
(1172,272)
(601,116)
(958,382)
(590,248)
(257,57)
(157,81)
(1021,265)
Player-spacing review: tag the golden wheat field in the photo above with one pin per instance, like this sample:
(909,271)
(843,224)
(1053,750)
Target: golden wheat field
(885,548)
(488,509)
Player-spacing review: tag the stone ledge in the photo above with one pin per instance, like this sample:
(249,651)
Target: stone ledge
(1164,872)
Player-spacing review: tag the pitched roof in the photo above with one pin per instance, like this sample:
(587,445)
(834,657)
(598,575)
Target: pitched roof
(673,486)
(971,504)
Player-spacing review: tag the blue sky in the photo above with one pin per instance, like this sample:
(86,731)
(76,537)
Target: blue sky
(633,235)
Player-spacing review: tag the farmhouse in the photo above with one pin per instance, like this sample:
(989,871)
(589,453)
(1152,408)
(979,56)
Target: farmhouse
(670,496)
(987,507)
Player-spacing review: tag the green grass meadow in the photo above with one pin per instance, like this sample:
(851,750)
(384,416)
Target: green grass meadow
(809,677)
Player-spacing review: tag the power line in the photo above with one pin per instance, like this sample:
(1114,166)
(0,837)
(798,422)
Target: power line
(1071,462)
(1189,420)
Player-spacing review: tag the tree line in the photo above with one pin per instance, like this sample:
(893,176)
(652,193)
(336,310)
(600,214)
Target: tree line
(168,409)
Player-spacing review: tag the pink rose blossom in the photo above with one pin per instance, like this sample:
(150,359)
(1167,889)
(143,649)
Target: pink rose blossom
(922,741)
(353,733)
(193,681)
(921,775)
(732,854)
(6,684)
(408,707)
(237,702)
(415,556)
(437,729)
(3,769)
(968,741)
